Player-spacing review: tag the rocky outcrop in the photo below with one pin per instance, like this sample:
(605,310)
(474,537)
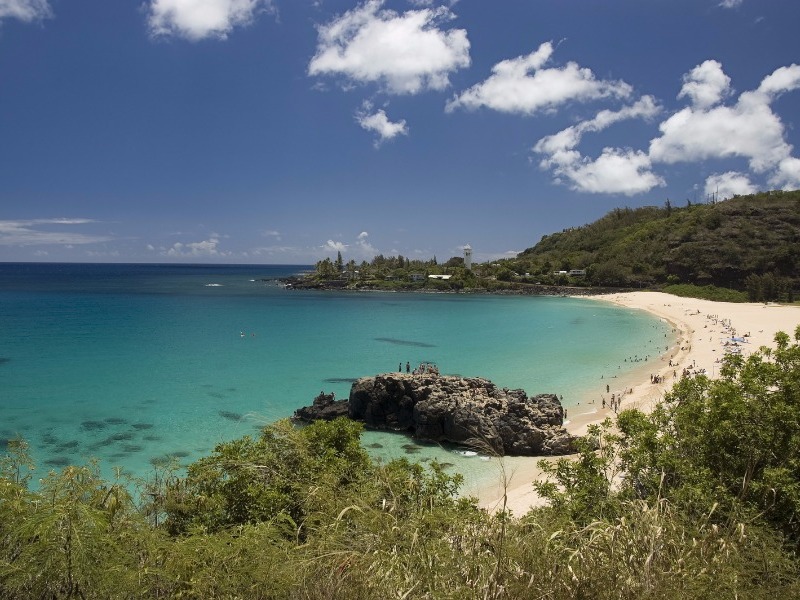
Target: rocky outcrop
(324,408)
(462,410)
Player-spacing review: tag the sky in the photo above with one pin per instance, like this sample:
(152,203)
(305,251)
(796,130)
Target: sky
(285,131)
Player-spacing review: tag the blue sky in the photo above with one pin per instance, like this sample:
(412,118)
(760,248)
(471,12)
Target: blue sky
(283,131)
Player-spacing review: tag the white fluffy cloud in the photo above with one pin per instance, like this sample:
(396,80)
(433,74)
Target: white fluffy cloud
(617,171)
(39,232)
(366,249)
(377,122)
(787,175)
(730,3)
(522,85)
(199,19)
(405,53)
(706,84)
(708,129)
(209,247)
(330,245)
(726,185)
(749,129)
(25,10)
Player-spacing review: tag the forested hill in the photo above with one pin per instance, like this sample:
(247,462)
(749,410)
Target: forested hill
(741,243)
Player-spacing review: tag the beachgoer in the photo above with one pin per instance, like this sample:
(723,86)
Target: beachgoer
(408,367)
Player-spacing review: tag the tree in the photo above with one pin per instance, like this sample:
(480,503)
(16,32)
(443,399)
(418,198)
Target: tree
(249,480)
(339,263)
(729,446)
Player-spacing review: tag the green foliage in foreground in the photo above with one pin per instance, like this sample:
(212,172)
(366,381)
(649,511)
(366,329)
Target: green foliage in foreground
(700,499)
(706,292)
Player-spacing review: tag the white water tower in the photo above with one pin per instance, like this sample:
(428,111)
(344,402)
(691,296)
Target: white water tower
(468,257)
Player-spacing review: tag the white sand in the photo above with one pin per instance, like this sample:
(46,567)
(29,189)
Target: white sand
(703,329)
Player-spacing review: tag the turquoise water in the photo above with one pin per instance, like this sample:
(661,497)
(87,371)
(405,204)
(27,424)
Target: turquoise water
(135,363)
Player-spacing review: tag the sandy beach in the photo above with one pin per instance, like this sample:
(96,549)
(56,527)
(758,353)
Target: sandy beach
(704,332)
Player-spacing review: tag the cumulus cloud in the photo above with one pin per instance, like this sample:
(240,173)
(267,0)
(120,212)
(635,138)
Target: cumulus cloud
(366,249)
(749,129)
(377,122)
(199,19)
(38,232)
(209,247)
(404,53)
(726,185)
(330,245)
(730,3)
(707,129)
(618,171)
(706,84)
(25,10)
(615,171)
(523,85)
(787,175)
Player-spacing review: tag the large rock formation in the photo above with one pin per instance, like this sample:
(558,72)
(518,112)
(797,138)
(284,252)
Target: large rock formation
(462,410)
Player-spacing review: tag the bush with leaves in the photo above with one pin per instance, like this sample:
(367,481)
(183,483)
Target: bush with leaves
(733,443)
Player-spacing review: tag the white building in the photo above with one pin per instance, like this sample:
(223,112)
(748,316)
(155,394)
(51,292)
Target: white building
(468,257)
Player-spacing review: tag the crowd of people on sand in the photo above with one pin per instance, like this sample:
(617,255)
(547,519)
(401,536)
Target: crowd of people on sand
(729,342)
(424,368)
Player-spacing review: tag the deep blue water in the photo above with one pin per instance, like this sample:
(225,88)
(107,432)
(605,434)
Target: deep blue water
(133,364)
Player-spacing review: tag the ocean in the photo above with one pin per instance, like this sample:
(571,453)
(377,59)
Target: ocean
(135,365)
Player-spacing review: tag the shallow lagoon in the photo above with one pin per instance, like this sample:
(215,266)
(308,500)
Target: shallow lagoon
(140,364)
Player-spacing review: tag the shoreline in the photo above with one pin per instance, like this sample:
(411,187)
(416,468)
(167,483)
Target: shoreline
(703,330)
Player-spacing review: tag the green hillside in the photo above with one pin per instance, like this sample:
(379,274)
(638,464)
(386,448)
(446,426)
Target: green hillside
(749,243)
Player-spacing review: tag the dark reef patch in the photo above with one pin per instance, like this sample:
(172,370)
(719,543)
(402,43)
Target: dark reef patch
(121,437)
(141,426)
(159,461)
(398,342)
(4,360)
(70,445)
(217,395)
(231,416)
(58,461)
(48,439)
(411,448)
(93,425)
(132,448)
(166,459)
(375,445)
(153,438)
(116,421)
